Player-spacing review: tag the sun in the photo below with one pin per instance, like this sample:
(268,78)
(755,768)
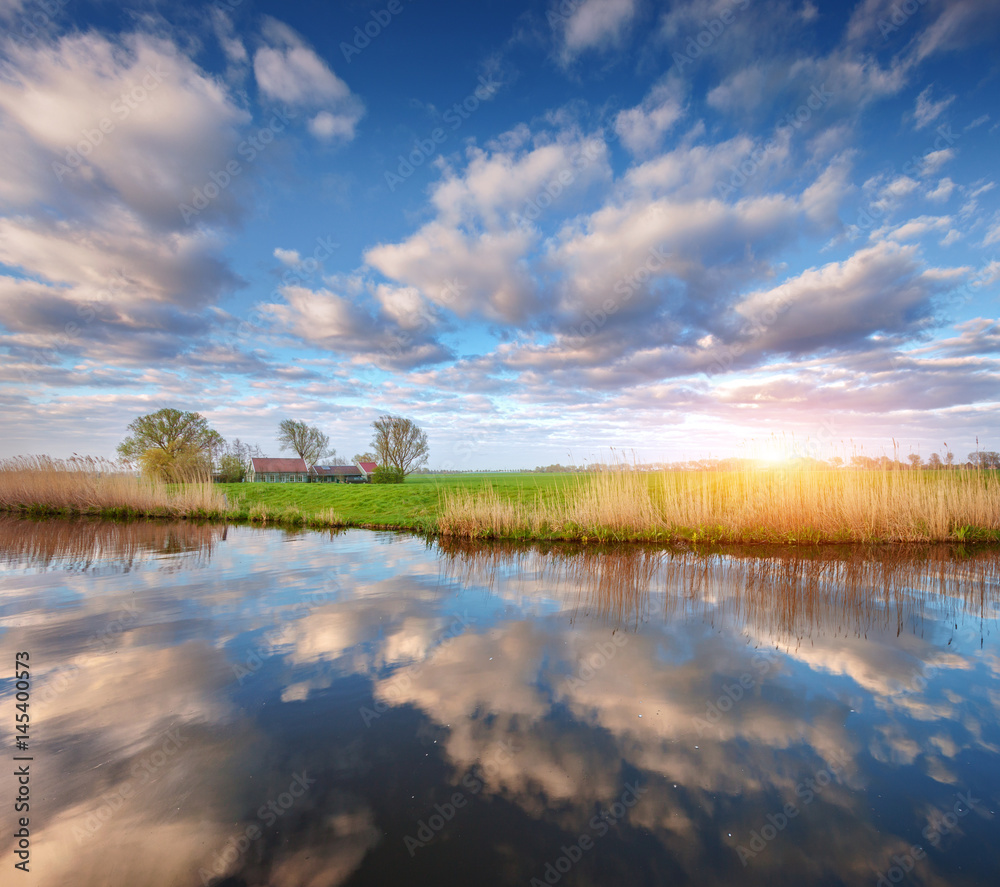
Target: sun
(769,452)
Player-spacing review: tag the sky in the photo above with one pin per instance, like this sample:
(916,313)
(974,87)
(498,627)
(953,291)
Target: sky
(541,230)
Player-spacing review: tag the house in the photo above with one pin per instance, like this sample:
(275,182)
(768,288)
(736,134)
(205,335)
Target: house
(288,471)
(278,471)
(343,474)
(337,474)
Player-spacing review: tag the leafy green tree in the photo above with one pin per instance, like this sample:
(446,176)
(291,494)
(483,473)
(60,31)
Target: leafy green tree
(399,443)
(172,444)
(308,441)
(182,464)
(232,469)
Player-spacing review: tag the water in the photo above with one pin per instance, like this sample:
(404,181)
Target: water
(249,707)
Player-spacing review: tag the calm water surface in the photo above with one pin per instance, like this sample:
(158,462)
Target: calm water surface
(254,707)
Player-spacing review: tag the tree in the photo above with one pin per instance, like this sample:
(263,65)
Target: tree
(915,460)
(183,464)
(172,444)
(308,441)
(934,461)
(399,443)
(234,461)
(364,457)
(949,458)
(985,459)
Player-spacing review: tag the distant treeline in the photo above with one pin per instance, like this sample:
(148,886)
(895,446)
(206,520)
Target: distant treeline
(979,459)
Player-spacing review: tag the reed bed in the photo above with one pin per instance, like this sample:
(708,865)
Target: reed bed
(751,505)
(85,485)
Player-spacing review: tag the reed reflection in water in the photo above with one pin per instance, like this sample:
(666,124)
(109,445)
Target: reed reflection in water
(80,544)
(784,593)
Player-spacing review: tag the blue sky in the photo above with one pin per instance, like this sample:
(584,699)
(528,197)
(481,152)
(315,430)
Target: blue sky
(538,229)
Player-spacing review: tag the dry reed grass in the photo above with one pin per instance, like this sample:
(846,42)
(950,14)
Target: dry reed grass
(85,485)
(777,504)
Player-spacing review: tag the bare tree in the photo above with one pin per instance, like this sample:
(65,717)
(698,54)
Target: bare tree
(399,443)
(306,440)
(935,461)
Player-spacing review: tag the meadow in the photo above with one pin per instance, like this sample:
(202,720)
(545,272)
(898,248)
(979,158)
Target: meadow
(774,505)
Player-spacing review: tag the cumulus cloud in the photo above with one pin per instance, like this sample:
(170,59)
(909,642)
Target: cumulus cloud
(288,71)
(484,229)
(99,171)
(642,128)
(593,24)
(381,325)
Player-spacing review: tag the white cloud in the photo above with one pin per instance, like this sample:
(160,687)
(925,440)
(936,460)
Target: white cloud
(289,71)
(918,227)
(387,326)
(97,170)
(484,229)
(934,160)
(927,110)
(594,24)
(642,128)
(289,257)
(943,191)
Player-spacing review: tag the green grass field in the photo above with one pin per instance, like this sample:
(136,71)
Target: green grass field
(413,505)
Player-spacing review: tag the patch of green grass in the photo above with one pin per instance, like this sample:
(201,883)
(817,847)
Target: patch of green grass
(412,505)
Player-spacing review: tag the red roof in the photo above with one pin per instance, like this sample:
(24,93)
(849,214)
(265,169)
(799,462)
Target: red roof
(368,467)
(279,466)
(336,470)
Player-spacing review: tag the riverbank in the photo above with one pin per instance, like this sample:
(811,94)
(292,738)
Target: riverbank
(784,506)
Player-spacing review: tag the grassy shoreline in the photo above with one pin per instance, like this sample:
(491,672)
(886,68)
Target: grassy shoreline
(776,506)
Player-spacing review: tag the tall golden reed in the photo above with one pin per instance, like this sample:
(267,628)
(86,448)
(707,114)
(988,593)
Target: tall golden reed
(787,504)
(85,485)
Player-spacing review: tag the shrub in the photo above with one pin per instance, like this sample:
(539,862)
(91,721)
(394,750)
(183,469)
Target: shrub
(386,474)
